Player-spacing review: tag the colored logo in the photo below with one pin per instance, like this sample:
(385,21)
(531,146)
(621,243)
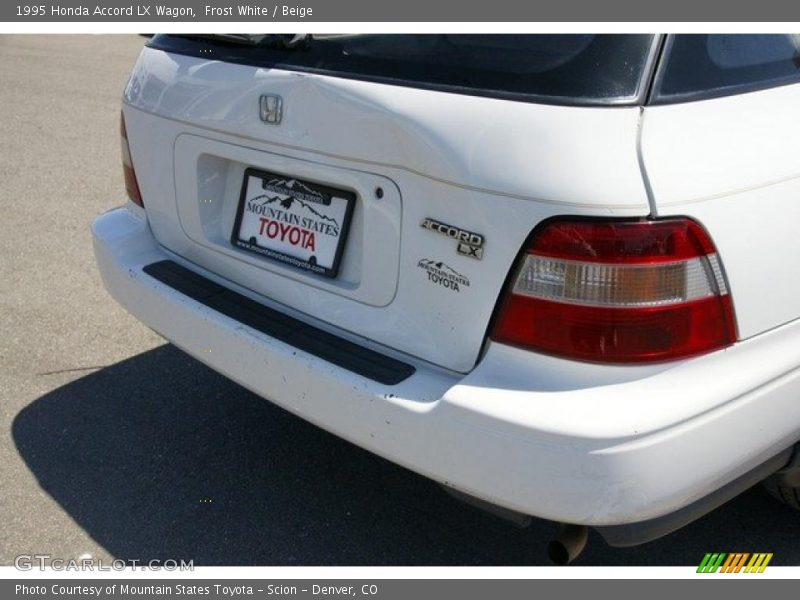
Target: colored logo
(736,562)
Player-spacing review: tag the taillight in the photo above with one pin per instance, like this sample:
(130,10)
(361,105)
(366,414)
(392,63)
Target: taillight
(131,185)
(619,292)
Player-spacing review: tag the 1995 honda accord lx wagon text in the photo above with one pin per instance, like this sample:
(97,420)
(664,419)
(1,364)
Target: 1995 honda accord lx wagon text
(557,274)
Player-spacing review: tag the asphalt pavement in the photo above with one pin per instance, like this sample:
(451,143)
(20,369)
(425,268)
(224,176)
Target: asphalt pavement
(115,444)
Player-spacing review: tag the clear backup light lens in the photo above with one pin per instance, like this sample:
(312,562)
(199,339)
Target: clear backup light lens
(617,291)
(131,185)
(624,285)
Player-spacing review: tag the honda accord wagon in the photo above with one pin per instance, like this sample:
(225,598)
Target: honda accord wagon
(556,274)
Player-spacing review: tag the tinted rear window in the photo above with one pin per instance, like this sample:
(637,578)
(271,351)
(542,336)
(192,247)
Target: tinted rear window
(582,69)
(700,66)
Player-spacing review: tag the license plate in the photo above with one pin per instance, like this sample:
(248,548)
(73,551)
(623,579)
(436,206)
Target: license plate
(293,221)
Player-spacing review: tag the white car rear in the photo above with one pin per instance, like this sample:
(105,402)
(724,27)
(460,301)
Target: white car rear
(553,273)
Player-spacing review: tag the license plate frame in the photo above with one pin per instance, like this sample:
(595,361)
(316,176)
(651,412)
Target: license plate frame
(318,207)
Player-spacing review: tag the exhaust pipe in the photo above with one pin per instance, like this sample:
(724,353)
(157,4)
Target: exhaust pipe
(568,543)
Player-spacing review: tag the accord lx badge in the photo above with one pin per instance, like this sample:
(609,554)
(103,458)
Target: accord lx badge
(468,243)
(271,108)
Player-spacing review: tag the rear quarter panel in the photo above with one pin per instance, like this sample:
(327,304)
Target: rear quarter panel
(733,164)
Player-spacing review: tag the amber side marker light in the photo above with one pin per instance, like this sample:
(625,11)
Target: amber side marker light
(618,292)
(131,185)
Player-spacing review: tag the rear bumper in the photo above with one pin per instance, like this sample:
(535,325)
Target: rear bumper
(559,440)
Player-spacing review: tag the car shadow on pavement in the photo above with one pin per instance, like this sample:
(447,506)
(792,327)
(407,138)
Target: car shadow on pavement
(159,457)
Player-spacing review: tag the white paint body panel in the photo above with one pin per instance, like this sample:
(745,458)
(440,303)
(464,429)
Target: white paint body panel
(733,164)
(558,439)
(566,441)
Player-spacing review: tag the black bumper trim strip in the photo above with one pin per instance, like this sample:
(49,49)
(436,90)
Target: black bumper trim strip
(338,351)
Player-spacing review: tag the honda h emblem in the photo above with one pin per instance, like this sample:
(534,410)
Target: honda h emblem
(271,108)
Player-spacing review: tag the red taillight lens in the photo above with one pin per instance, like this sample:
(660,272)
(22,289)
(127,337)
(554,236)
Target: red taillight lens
(619,292)
(131,185)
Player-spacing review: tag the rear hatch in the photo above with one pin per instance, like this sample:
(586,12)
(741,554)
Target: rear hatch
(383,184)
